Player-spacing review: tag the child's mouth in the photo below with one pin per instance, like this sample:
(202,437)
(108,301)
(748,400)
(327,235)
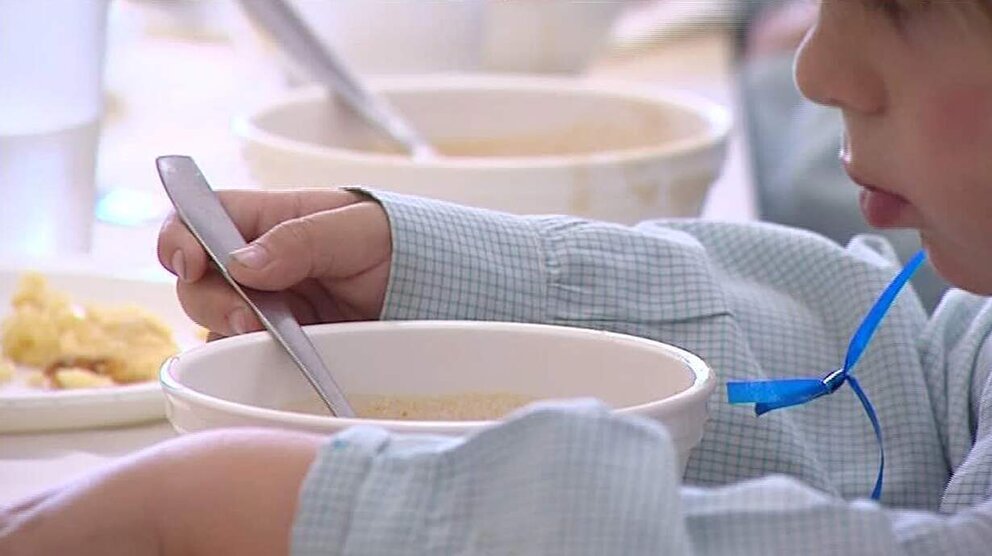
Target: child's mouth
(881,209)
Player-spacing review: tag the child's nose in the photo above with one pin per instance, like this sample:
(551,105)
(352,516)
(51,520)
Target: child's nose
(832,70)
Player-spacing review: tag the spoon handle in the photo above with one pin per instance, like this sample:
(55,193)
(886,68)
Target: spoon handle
(200,209)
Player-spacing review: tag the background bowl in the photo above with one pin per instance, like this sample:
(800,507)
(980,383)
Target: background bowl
(386,37)
(545,36)
(528,145)
(249,381)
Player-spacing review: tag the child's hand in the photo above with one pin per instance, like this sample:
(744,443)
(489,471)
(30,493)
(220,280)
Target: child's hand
(329,249)
(225,492)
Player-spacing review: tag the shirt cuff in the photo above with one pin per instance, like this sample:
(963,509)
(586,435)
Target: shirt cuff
(459,263)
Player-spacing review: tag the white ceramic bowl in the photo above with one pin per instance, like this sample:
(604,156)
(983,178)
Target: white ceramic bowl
(545,36)
(249,381)
(607,151)
(381,37)
(386,37)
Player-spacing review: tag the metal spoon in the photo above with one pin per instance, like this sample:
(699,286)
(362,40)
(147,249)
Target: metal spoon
(200,209)
(285,27)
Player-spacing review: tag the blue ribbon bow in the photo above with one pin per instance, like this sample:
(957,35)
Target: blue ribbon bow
(768,395)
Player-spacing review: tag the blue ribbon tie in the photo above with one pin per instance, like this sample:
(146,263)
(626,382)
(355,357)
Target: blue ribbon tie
(768,395)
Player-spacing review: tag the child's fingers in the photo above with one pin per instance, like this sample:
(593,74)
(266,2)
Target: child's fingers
(212,336)
(253,212)
(331,244)
(179,252)
(213,304)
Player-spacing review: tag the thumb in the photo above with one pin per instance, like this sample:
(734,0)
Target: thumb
(329,244)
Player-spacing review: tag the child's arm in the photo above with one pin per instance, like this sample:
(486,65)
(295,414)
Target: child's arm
(754,301)
(514,489)
(225,492)
(454,262)
(570,481)
(576,481)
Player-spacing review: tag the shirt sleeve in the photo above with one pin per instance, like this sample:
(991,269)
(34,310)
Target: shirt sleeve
(755,301)
(450,262)
(779,515)
(572,479)
(568,479)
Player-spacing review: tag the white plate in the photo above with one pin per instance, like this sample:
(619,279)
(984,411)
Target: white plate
(25,410)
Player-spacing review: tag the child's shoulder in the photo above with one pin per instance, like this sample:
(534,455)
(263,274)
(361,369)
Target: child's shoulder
(961,314)
(783,255)
(767,239)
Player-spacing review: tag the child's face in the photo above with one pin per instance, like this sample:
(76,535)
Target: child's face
(914,84)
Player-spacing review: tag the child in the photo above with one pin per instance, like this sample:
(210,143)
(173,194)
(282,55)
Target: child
(914,82)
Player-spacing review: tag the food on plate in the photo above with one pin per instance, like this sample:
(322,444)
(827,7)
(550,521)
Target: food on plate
(70,378)
(474,406)
(82,346)
(6,370)
(36,379)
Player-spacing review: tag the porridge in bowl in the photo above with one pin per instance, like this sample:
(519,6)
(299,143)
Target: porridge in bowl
(470,406)
(510,143)
(436,377)
(573,140)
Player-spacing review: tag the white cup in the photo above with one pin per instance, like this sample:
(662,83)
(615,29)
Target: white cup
(51,101)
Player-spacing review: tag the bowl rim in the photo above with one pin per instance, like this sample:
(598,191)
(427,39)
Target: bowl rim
(716,120)
(702,386)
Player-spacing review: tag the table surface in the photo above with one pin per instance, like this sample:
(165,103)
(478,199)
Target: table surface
(169,93)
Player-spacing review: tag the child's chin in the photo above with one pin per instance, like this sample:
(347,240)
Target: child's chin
(960,270)
(978,285)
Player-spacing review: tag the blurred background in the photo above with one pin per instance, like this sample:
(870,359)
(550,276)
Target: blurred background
(93,90)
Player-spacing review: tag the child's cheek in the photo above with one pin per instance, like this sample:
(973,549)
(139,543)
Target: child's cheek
(957,122)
